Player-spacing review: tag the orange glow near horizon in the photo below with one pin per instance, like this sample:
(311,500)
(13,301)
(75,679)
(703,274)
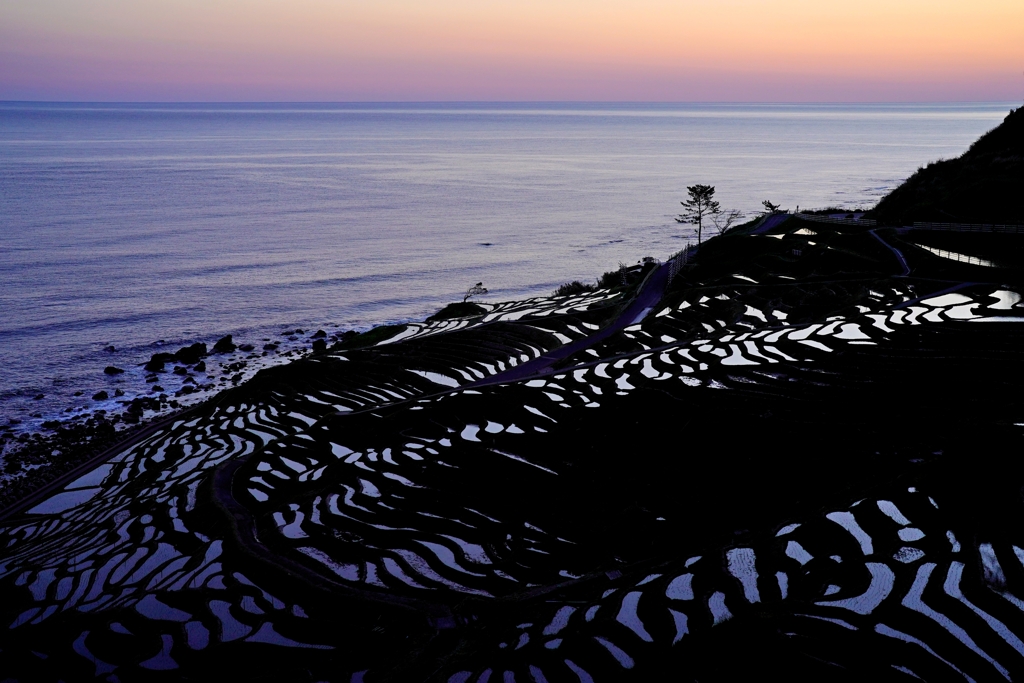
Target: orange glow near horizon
(655,50)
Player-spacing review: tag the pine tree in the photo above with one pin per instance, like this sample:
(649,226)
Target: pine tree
(699,206)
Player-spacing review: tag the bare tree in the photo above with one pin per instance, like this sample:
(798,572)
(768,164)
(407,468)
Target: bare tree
(699,206)
(725,220)
(475,290)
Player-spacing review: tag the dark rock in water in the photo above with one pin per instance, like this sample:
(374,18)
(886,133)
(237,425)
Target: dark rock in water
(100,396)
(157,387)
(187,389)
(79,393)
(51,424)
(319,345)
(287,333)
(319,334)
(246,347)
(224,345)
(298,331)
(201,366)
(39,397)
(118,392)
(190,380)
(270,347)
(157,361)
(111,370)
(111,348)
(180,370)
(192,354)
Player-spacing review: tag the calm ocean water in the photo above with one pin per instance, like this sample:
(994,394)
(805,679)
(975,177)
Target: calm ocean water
(127,224)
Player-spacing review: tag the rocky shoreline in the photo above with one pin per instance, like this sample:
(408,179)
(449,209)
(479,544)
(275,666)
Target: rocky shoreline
(32,458)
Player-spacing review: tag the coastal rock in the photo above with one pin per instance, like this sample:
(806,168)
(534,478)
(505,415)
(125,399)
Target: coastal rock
(246,347)
(112,370)
(180,370)
(191,354)
(38,397)
(100,396)
(319,345)
(118,392)
(319,334)
(201,366)
(157,361)
(224,345)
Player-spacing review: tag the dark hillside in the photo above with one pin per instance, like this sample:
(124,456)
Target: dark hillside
(983,185)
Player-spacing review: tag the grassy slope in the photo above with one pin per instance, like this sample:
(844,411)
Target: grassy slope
(984,185)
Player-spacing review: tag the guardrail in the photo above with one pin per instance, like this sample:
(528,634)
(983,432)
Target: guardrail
(968,227)
(865,222)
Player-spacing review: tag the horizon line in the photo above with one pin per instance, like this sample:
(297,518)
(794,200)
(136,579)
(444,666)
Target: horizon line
(454,101)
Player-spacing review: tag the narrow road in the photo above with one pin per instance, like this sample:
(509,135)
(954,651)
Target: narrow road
(894,250)
(651,293)
(770,222)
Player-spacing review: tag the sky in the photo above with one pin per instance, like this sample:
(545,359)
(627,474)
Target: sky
(512,50)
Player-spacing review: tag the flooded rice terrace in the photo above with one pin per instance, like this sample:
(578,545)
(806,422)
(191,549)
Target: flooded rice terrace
(785,456)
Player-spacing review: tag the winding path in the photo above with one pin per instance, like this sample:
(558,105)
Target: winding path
(649,295)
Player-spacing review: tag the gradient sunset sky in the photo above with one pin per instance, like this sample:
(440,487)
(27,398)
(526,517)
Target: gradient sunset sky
(434,50)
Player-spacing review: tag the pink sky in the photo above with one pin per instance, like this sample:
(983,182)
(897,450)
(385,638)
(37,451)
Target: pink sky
(647,50)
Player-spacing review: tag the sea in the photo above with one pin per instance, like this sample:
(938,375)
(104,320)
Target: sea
(129,229)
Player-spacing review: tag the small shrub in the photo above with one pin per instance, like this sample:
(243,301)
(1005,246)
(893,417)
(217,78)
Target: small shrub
(613,278)
(574,287)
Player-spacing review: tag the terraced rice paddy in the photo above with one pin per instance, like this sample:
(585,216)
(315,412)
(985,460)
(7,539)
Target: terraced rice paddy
(796,454)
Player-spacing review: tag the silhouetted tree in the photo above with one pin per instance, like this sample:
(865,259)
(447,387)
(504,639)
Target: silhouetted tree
(476,289)
(770,208)
(699,206)
(723,221)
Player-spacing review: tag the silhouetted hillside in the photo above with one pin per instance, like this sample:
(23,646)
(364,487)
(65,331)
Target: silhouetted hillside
(983,185)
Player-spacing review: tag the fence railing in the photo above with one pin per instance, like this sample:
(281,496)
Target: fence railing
(865,222)
(967,227)
(679,261)
(954,256)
